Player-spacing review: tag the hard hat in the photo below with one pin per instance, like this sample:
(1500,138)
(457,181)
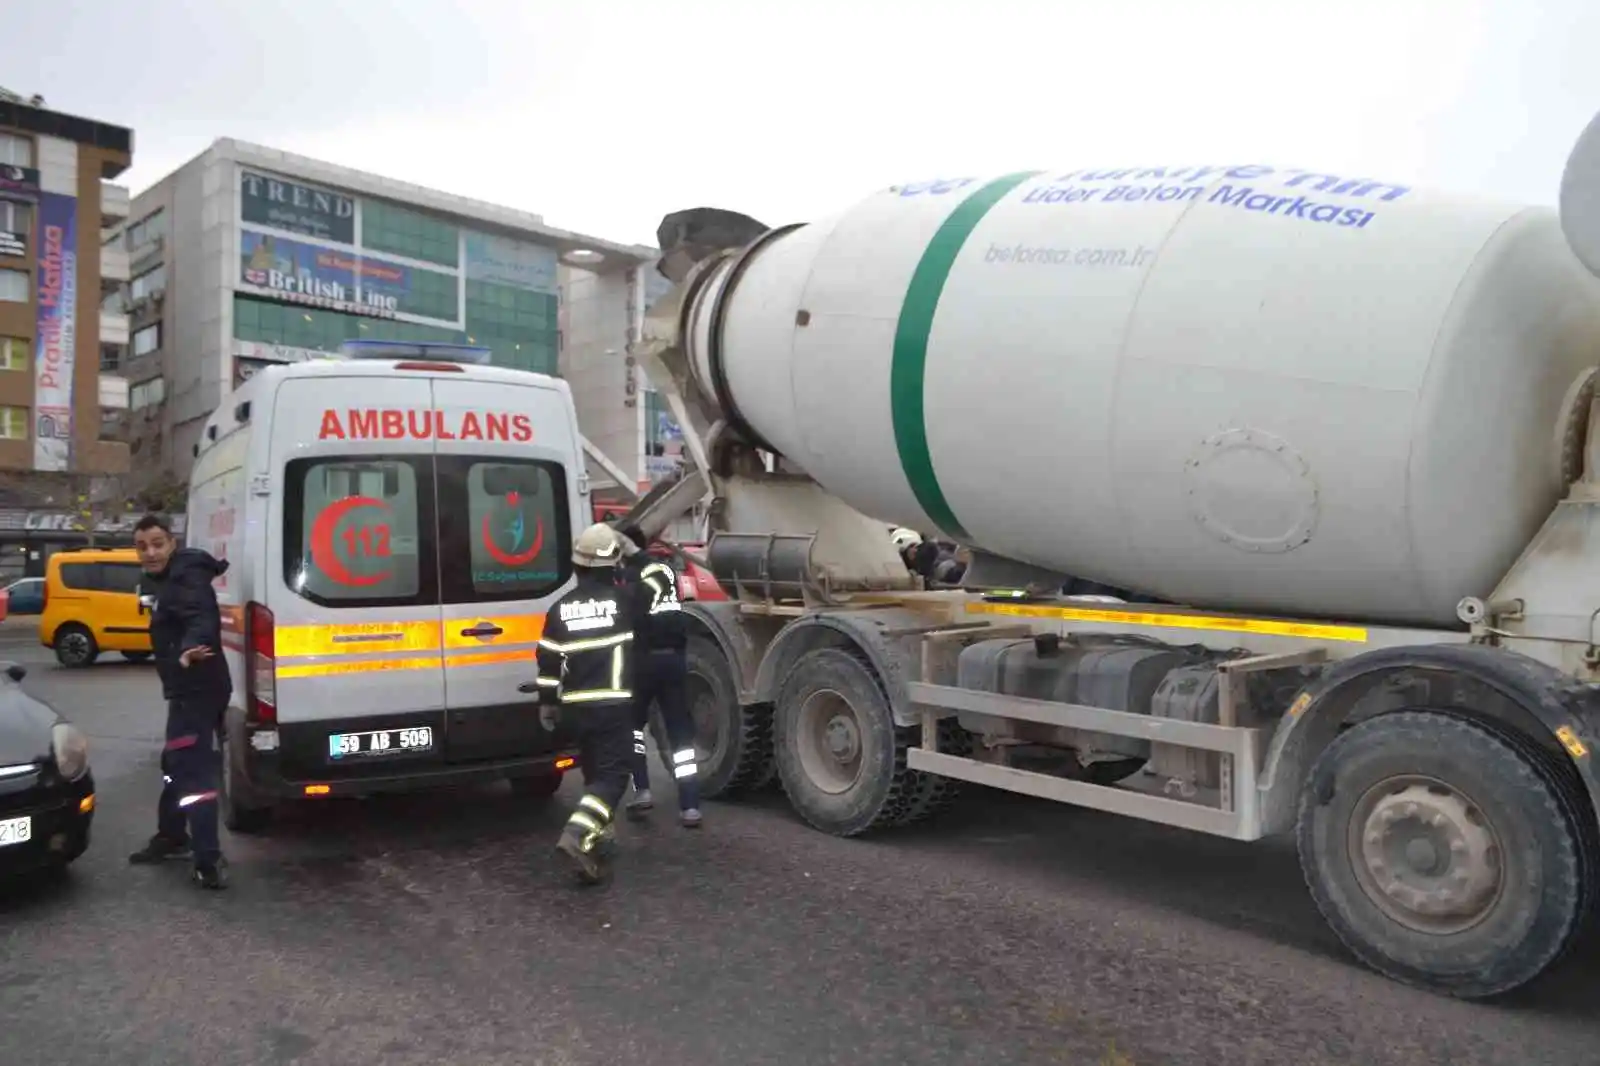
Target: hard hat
(904,538)
(597,546)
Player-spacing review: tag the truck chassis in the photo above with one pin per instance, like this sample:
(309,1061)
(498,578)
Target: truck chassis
(1439,788)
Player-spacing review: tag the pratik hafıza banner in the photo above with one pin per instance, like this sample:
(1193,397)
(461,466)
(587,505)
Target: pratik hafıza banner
(56,330)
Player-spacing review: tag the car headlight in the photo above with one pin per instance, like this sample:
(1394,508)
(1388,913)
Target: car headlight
(71,750)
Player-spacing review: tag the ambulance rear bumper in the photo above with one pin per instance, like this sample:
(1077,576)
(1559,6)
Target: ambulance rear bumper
(278,763)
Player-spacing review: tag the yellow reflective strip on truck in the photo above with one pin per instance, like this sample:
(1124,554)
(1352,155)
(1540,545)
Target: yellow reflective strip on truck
(1117,616)
(355,638)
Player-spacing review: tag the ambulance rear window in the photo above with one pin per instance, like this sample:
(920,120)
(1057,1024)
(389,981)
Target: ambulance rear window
(358,531)
(517,532)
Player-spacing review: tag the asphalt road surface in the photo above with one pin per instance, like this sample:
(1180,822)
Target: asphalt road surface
(437,929)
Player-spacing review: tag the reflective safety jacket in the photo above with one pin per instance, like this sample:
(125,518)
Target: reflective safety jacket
(653,588)
(586,652)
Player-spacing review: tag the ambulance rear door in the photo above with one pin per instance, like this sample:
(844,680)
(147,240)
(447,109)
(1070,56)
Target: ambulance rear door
(353,577)
(507,455)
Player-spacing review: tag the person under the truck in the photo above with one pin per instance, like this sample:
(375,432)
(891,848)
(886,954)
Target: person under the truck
(935,561)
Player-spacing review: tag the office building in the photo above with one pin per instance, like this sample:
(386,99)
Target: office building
(247,256)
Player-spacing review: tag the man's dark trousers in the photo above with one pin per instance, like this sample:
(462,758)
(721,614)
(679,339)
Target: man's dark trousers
(191,765)
(659,678)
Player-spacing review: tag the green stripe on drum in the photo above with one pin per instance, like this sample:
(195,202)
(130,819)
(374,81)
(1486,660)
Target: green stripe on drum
(908,370)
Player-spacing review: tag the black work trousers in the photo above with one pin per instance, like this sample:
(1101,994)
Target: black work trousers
(605,753)
(191,766)
(660,680)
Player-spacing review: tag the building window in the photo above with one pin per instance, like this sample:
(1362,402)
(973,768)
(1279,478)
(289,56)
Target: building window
(15,217)
(13,423)
(18,151)
(148,284)
(110,357)
(147,394)
(269,322)
(147,229)
(147,340)
(390,228)
(14,353)
(14,286)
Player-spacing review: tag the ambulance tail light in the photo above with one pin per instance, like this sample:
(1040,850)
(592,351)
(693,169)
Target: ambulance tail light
(260,666)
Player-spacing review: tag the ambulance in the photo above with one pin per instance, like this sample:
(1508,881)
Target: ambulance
(397,521)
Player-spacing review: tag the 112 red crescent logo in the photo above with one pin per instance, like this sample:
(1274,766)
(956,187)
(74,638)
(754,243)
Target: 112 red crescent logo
(369,541)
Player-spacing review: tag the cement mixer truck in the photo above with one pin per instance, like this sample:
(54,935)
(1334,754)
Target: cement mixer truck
(1340,430)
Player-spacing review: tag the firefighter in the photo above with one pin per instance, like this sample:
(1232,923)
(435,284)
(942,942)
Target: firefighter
(586,666)
(662,669)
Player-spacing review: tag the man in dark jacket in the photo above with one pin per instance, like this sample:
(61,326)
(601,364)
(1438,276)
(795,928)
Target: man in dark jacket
(186,637)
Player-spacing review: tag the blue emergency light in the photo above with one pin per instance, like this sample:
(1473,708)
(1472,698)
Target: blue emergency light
(421,351)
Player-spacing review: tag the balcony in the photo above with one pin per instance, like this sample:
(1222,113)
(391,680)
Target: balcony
(114,270)
(113,393)
(115,203)
(113,328)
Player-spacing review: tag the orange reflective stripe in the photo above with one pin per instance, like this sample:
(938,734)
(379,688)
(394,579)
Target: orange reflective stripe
(491,656)
(355,638)
(232,618)
(357,666)
(519,629)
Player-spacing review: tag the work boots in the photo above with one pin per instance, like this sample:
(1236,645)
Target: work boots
(160,849)
(582,851)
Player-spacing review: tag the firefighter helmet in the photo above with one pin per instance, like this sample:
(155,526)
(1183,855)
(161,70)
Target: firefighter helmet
(597,546)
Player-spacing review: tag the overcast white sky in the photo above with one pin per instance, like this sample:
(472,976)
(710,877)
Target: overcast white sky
(602,115)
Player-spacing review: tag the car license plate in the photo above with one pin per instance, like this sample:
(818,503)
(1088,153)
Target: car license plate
(15,831)
(380,742)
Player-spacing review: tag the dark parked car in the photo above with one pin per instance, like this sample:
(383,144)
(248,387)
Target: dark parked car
(46,789)
(25,596)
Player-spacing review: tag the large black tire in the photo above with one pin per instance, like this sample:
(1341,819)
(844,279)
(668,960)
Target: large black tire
(1424,788)
(241,813)
(876,790)
(75,646)
(931,794)
(733,743)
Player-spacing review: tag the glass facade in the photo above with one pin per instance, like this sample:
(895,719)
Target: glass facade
(525,344)
(387,227)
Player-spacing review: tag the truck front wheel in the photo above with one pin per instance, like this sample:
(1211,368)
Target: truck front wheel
(1441,854)
(733,743)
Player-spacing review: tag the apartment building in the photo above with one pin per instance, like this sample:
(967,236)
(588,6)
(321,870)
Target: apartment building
(55,201)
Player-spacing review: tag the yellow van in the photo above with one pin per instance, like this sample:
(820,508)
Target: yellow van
(91,605)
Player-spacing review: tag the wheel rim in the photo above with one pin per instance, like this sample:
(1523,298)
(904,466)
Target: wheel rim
(829,741)
(75,645)
(710,727)
(1426,855)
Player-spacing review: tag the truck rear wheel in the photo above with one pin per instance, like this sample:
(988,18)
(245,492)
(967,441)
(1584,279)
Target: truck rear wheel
(733,743)
(840,757)
(1442,855)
